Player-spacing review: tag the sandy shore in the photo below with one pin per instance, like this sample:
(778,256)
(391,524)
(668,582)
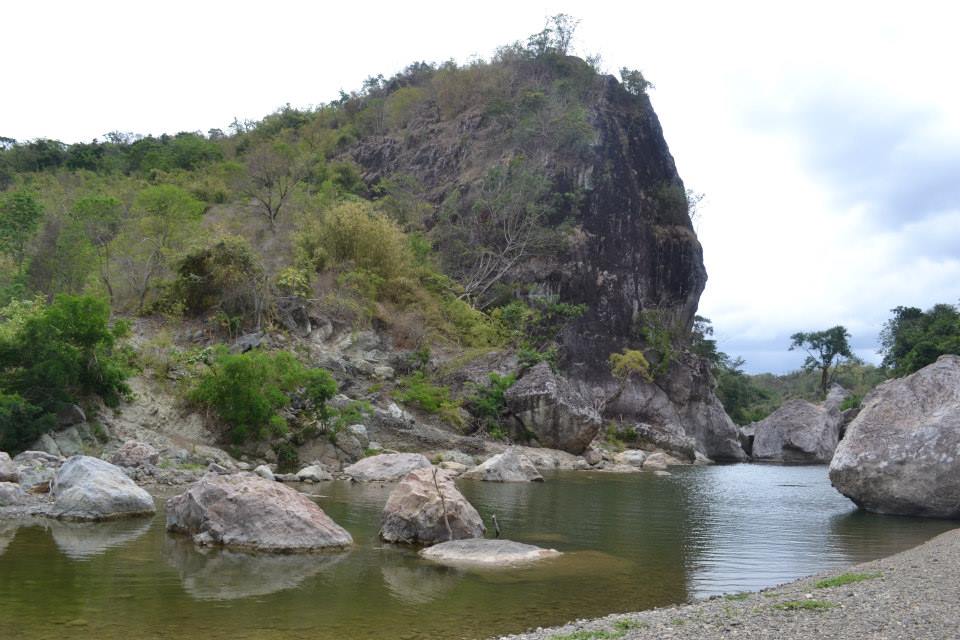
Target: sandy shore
(913,595)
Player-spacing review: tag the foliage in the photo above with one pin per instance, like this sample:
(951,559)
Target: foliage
(660,338)
(825,350)
(742,398)
(418,391)
(913,338)
(487,404)
(845,579)
(55,355)
(269,175)
(20,213)
(634,82)
(249,391)
(535,326)
(628,364)
(805,605)
(851,402)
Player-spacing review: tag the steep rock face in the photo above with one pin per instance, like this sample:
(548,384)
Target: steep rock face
(901,454)
(632,256)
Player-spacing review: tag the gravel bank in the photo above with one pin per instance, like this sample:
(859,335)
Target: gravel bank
(913,595)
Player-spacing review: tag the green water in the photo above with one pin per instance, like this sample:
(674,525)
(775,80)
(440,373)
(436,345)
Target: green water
(630,542)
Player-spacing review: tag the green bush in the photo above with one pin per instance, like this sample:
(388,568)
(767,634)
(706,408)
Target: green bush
(248,391)
(628,364)
(225,277)
(417,390)
(488,405)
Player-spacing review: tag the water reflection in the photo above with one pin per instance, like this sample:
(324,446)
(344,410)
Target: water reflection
(82,540)
(411,581)
(221,574)
(860,536)
(7,532)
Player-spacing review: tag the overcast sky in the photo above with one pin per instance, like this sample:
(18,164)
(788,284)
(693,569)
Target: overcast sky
(825,135)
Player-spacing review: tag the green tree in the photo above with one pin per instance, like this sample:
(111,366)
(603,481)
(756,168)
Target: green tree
(912,338)
(20,213)
(825,350)
(100,217)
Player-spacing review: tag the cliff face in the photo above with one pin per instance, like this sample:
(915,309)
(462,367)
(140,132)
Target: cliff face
(632,255)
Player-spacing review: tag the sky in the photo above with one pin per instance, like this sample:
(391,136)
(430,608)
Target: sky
(825,136)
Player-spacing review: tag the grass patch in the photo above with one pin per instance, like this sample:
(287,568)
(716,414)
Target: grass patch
(845,578)
(743,595)
(620,629)
(627,625)
(805,605)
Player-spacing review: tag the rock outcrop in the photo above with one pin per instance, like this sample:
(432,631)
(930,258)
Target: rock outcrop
(509,466)
(246,511)
(11,494)
(486,553)
(37,469)
(8,470)
(901,454)
(426,508)
(552,410)
(386,467)
(798,432)
(135,454)
(314,473)
(86,488)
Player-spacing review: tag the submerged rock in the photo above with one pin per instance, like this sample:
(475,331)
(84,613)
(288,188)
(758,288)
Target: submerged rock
(247,511)
(553,410)
(424,505)
(509,466)
(799,431)
(386,467)
(486,553)
(86,488)
(901,454)
(135,454)
(8,470)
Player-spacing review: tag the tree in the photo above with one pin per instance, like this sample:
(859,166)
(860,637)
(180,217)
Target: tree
(269,175)
(825,350)
(100,217)
(912,338)
(634,82)
(20,214)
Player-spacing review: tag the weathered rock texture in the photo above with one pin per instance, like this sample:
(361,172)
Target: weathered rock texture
(135,454)
(247,511)
(799,431)
(8,470)
(386,467)
(427,508)
(552,410)
(509,466)
(632,258)
(86,488)
(486,553)
(901,454)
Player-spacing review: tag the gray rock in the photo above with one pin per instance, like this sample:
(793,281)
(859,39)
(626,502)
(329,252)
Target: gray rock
(631,458)
(799,431)
(348,442)
(86,488)
(314,473)
(509,466)
(11,494)
(486,553)
(247,342)
(286,477)
(901,454)
(386,467)
(592,456)
(70,415)
(69,442)
(8,470)
(454,467)
(459,457)
(135,454)
(835,397)
(659,462)
(213,467)
(553,410)
(247,511)
(422,507)
(37,469)
(264,472)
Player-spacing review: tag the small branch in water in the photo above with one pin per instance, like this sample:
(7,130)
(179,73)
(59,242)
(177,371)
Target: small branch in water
(443,504)
(496,525)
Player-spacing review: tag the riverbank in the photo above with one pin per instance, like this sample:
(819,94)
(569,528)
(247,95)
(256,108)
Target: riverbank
(910,595)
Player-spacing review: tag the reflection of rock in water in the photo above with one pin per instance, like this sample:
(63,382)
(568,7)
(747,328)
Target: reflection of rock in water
(80,540)
(218,574)
(7,531)
(413,582)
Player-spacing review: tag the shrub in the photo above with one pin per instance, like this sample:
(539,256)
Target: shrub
(628,364)
(488,405)
(248,391)
(420,392)
(225,277)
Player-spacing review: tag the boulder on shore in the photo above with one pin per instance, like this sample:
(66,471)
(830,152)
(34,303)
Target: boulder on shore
(135,454)
(247,511)
(486,553)
(8,470)
(86,488)
(552,409)
(901,454)
(509,466)
(314,473)
(386,467)
(37,469)
(799,431)
(426,508)
(11,494)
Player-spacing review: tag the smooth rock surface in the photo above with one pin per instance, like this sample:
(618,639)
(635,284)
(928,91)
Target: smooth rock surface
(86,488)
(8,470)
(486,553)
(247,511)
(11,494)
(901,454)
(135,454)
(264,472)
(509,466)
(386,467)
(799,431)
(553,410)
(631,457)
(314,473)
(659,462)
(422,507)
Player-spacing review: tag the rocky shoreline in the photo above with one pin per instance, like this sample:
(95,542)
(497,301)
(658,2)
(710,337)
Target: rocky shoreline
(911,595)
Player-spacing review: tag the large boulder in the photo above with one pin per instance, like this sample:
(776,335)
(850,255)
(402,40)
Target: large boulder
(486,553)
(37,469)
(314,473)
(426,508)
(901,454)
(799,431)
(8,470)
(86,488)
(11,495)
(509,466)
(135,454)
(386,467)
(552,409)
(247,511)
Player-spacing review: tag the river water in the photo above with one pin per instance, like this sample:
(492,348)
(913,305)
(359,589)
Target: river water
(631,542)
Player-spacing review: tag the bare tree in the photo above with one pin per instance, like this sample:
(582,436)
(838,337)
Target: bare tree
(272,172)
